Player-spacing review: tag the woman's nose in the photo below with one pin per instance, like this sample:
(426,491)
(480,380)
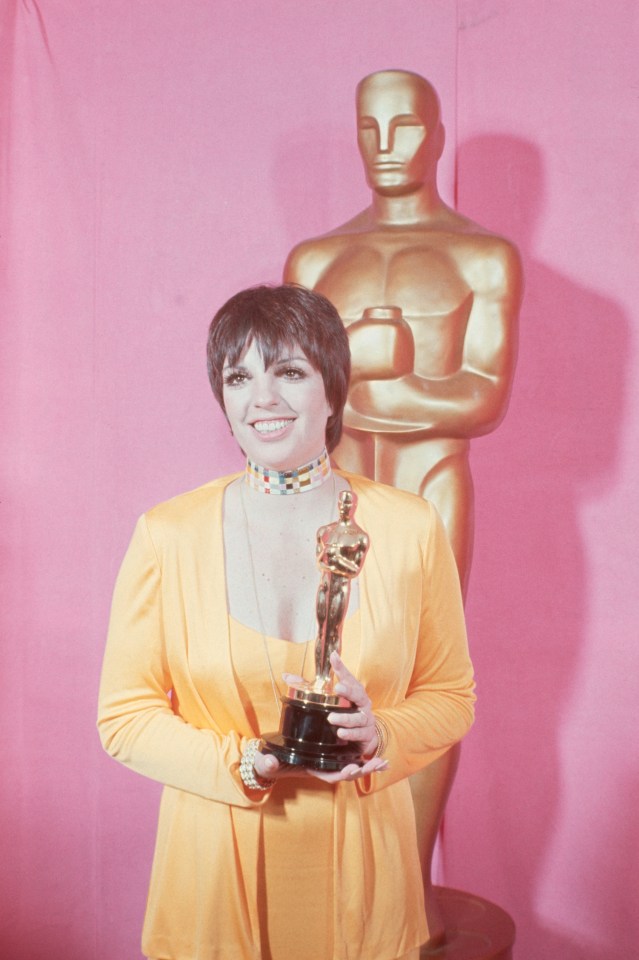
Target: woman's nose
(265,392)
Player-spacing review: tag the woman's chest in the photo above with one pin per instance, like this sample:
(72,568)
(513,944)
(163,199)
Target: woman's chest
(271,580)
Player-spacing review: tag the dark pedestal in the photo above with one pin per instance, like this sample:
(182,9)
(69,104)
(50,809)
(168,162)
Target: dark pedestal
(475,929)
(307,739)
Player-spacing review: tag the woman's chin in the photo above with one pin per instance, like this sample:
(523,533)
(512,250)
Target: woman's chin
(282,455)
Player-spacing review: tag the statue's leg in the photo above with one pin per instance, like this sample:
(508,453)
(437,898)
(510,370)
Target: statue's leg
(443,477)
(449,486)
(434,471)
(439,471)
(430,789)
(337,603)
(321,609)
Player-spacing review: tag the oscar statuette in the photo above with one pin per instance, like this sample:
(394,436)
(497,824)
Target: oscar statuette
(306,738)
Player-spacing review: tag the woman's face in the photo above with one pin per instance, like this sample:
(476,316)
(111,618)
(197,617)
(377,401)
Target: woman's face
(278,415)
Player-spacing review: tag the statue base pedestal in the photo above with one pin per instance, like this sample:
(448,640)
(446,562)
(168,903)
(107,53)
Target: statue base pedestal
(475,929)
(306,738)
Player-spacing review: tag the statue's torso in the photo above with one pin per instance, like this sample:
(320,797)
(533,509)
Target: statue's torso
(422,272)
(434,272)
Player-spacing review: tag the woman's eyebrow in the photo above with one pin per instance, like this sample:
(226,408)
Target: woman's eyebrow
(233,366)
(286,359)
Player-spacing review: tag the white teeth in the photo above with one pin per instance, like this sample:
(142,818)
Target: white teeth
(270,426)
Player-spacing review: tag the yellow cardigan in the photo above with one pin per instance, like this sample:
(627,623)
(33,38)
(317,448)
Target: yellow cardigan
(172,709)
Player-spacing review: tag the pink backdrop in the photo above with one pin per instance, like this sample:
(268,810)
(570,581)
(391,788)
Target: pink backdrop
(156,157)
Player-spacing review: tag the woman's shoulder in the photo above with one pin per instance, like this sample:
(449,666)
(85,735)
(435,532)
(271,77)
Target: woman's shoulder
(191,505)
(390,504)
(397,521)
(366,488)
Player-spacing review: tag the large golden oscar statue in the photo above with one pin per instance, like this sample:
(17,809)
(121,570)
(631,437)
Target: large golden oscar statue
(430,300)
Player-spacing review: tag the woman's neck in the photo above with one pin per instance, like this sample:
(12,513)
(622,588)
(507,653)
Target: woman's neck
(290,481)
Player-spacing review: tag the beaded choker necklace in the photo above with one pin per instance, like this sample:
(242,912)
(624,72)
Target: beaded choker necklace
(282,482)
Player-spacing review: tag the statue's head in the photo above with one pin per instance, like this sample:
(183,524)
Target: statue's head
(399,131)
(346,503)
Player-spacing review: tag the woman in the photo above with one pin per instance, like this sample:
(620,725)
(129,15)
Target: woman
(214,612)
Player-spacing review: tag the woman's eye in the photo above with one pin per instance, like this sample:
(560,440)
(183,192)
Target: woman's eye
(234,379)
(292,373)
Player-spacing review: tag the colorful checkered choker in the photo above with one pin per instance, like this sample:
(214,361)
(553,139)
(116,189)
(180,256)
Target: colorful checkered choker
(282,482)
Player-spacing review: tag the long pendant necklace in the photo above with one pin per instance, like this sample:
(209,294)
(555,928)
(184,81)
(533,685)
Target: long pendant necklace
(277,693)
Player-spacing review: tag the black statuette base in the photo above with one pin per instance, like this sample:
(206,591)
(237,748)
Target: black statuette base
(307,739)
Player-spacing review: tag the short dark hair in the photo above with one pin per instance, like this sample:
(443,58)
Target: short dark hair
(278,317)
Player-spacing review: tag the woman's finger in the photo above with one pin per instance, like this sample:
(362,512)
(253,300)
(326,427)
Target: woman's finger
(341,670)
(374,765)
(356,727)
(352,771)
(268,767)
(360,718)
(290,678)
(358,735)
(359,725)
(348,686)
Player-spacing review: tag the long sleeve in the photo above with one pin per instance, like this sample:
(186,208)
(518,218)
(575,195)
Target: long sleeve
(438,708)
(136,721)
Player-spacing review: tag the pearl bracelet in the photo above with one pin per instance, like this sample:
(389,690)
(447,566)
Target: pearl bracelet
(247,768)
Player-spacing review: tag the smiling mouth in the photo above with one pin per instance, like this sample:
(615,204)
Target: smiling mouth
(271,426)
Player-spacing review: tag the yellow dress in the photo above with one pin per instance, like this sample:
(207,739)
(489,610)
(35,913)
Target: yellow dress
(180,696)
(296,856)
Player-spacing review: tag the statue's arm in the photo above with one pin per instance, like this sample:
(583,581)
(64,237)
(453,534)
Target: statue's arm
(364,543)
(337,562)
(306,263)
(472,400)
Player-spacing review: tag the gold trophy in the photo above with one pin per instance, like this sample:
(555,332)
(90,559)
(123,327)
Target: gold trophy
(306,738)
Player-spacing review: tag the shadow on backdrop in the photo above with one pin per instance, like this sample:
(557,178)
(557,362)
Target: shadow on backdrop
(528,608)
(316,160)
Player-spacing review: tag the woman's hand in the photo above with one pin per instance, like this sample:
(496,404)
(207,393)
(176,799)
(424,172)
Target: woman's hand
(358,726)
(352,771)
(268,767)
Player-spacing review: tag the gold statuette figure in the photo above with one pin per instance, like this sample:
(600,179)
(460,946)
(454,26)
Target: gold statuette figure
(341,550)
(306,737)
(430,300)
